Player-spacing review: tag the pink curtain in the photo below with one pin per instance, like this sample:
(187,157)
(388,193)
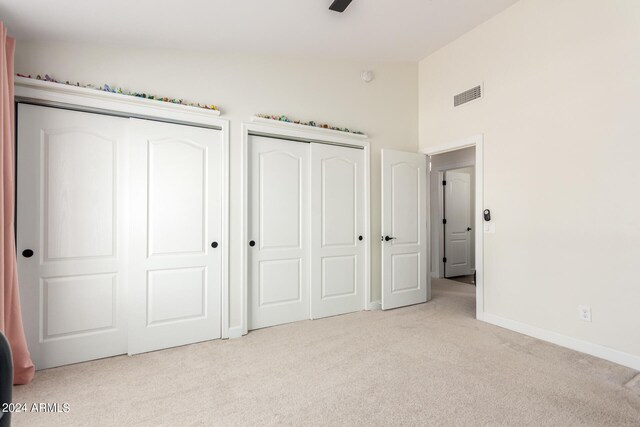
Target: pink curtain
(10,316)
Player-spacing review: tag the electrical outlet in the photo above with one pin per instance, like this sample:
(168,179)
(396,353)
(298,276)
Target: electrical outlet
(584,312)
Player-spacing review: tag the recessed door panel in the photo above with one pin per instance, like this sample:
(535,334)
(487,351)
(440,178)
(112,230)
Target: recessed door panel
(405,203)
(70,213)
(337,226)
(404,228)
(167,302)
(278,212)
(176,198)
(79,193)
(339,276)
(339,190)
(280,282)
(405,272)
(280,175)
(78,305)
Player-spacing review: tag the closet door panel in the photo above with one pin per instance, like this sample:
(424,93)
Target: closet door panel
(177,192)
(280,204)
(70,213)
(176,199)
(404,218)
(279,219)
(79,171)
(337,212)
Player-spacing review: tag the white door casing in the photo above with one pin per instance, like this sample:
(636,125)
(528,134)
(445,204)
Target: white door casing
(175,269)
(457,212)
(337,230)
(70,178)
(404,229)
(278,226)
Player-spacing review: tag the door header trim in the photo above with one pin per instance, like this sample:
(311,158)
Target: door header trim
(303,140)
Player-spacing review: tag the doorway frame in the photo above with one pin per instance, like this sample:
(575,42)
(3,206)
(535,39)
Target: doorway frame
(289,130)
(476,141)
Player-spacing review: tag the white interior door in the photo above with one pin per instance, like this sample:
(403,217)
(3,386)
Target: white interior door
(278,256)
(176,178)
(70,214)
(457,212)
(404,229)
(337,230)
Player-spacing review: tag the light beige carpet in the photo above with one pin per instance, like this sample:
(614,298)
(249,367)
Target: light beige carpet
(427,364)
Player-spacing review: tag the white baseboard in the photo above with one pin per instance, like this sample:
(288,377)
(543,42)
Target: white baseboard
(374,305)
(235,332)
(592,349)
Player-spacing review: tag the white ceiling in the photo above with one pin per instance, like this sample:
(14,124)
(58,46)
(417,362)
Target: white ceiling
(387,30)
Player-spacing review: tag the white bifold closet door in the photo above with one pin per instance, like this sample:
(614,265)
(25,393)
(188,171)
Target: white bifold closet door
(337,230)
(117,220)
(404,227)
(71,245)
(279,231)
(306,220)
(175,260)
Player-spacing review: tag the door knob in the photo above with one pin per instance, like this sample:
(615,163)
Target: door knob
(214,245)
(387,238)
(252,243)
(27,253)
(360,237)
(468,228)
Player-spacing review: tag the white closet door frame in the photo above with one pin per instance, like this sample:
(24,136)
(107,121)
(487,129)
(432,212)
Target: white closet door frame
(50,94)
(288,131)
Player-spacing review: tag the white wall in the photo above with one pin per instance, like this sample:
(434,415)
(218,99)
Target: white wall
(305,88)
(560,119)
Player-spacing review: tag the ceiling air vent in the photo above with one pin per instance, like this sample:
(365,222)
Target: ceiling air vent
(467,96)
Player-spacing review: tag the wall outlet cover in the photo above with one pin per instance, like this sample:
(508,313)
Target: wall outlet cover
(584,313)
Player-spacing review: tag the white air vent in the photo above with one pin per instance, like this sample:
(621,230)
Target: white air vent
(467,96)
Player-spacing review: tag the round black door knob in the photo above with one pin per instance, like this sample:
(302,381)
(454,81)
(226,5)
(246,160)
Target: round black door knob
(468,228)
(27,253)
(359,237)
(252,243)
(214,245)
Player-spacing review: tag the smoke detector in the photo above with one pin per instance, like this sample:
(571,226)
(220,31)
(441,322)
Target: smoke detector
(367,76)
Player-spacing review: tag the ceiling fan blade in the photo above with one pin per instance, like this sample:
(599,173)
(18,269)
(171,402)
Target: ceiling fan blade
(339,5)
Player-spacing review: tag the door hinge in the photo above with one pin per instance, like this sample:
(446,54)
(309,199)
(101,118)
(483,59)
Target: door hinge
(444,182)
(444,221)
(444,259)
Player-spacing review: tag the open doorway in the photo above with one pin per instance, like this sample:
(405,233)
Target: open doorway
(453,222)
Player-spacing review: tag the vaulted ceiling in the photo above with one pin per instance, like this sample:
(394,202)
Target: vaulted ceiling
(385,30)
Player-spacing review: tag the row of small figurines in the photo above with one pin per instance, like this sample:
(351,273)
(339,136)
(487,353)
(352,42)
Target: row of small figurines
(107,88)
(309,123)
